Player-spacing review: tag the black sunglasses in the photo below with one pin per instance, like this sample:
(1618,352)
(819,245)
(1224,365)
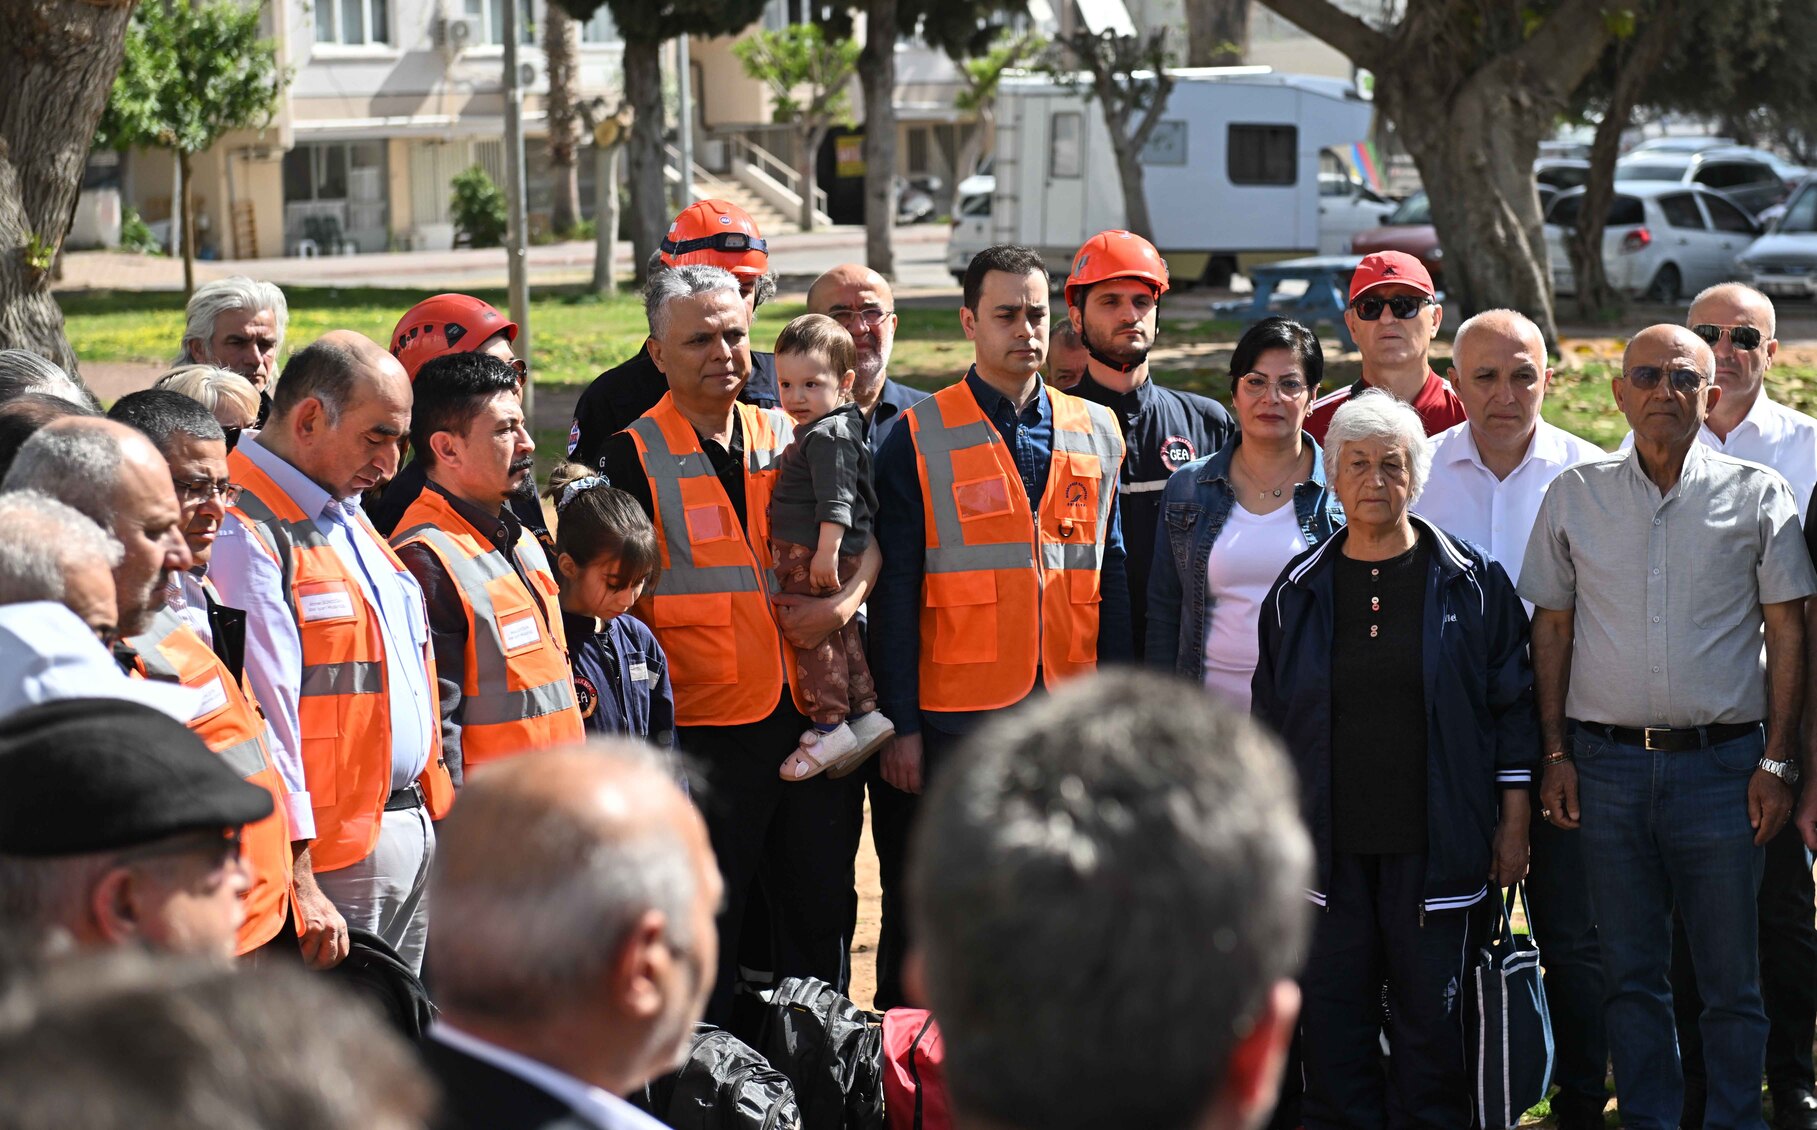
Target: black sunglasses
(1741,337)
(1404,306)
(1646,378)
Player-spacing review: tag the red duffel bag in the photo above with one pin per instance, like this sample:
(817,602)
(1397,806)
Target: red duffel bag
(914,1084)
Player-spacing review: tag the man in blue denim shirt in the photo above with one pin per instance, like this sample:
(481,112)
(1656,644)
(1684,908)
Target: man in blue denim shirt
(1005,316)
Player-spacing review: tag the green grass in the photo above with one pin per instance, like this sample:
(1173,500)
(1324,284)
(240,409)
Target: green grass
(578,335)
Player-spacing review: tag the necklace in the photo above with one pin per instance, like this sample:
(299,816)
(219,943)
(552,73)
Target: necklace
(1291,476)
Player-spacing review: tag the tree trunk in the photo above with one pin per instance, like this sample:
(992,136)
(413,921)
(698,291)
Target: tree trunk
(57,64)
(649,210)
(605,219)
(877,68)
(807,139)
(186,209)
(1217,32)
(1596,300)
(1475,153)
(561,36)
(1135,195)
(980,141)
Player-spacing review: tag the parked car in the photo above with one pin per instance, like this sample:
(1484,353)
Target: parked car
(1681,143)
(1561,172)
(971,222)
(1661,239)
(1745,177)
(1408,228)
(1783,262)
(1347,206)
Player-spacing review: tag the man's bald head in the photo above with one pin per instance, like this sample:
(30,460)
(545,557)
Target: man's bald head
(1667,389)
(342,406)
(1713,305)
(1507,324)
(1498,367)
(113,474)
(1667,339)
(553,874)
(859,299)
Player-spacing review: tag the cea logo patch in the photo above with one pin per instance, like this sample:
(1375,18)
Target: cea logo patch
(585,696)
(1176,452)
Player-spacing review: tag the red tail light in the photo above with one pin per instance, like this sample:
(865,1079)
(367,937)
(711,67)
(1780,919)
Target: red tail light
(1636,240)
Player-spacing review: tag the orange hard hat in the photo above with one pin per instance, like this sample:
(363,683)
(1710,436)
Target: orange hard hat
(447,323)
(716,233)
(1117,255)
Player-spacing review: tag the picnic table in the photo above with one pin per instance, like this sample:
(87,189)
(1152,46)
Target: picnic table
(1327,279)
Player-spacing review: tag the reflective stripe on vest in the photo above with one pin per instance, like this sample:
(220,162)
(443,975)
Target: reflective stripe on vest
(710,606)
(516,695)
(1009,586)
(343,708)
(233,727)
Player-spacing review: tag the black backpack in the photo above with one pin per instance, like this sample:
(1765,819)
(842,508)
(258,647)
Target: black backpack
(832,1051)
(723,1085)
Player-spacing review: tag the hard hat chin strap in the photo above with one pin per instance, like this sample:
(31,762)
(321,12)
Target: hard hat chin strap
(1109,362)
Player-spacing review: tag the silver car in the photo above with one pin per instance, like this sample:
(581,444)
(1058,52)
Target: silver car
(1783,262)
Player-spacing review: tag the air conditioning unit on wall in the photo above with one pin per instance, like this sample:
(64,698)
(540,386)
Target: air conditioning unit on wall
(454,34)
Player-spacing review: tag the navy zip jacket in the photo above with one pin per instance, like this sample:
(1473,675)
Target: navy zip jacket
(621,678)
(1482,728)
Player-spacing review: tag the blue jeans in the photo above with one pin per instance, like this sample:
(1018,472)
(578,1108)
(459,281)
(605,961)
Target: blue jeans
(1662,829)
(1558,897)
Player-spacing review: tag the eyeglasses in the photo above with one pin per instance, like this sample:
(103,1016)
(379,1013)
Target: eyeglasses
(1258,386)
(1741,337)
(233,436)
(1646,378)
(1404,306)
(202,490)
(522,366)
(870,317)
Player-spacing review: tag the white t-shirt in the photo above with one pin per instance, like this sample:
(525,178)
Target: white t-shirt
(1249,554)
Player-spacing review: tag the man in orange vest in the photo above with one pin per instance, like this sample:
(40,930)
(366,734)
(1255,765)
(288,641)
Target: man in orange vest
(1003,564)
(703,465)
(501,657)
(337,642)
(196,641)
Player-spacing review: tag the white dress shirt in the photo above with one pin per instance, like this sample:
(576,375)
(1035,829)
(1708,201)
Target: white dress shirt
(249,579)
(594,1105)
(1463,497)
(1771,435)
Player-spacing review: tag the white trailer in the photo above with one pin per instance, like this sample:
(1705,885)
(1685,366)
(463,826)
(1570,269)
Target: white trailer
(1231,171)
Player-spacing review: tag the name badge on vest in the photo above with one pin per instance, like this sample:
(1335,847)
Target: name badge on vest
(519,631)
(214,697)
(324,600)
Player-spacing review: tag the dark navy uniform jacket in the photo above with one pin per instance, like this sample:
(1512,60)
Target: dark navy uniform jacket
(1163,430)
(621,679)
(622,394)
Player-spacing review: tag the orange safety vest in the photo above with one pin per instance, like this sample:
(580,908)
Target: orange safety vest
(1005,589)
(710,608)
(230,724)
(343,711)
(517,694)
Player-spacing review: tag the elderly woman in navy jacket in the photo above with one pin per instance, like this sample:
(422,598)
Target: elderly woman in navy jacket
(1393,661)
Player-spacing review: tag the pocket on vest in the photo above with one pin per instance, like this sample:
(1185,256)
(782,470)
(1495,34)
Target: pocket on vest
(696,632)
(964,609)
(1084,587)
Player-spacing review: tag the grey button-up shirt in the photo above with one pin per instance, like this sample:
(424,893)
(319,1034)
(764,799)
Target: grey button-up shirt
(1667,590)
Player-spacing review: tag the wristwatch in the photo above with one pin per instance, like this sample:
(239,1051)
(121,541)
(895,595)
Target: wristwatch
(1786,771)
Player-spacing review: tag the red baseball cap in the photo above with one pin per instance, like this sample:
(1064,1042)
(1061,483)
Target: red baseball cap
(1387,268)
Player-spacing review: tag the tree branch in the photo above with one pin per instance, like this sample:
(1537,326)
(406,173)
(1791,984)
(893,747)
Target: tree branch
(1326,21)
(1567,46)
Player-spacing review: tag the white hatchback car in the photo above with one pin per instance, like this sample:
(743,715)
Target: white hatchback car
(1662,239)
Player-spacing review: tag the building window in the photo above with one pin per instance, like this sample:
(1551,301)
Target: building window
(600,29)
(353,22)
(1263,154)
(491,17)
(1063,144)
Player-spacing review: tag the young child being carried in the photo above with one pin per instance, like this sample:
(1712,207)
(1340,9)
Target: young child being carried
(820,523)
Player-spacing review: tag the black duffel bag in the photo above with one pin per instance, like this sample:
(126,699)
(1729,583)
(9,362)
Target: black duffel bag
(723,1085)
(832,1051)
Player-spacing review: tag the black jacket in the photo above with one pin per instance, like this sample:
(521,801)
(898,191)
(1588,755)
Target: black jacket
(1482,729)
(478,1096)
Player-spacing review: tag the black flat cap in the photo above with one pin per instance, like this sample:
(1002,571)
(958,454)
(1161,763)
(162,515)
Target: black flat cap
(98,774)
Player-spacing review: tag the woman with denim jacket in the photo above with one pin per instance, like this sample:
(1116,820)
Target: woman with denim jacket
(1232,520)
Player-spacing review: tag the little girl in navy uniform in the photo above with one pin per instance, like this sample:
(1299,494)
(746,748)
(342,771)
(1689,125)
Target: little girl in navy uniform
(605,553)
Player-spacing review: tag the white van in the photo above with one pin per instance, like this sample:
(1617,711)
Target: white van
(1232,169)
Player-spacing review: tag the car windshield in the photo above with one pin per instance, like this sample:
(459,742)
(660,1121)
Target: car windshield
(1413,210)
(1624,211)
(1801,213)
(1637,171)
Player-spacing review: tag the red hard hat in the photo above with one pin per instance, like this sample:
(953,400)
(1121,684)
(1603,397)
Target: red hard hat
(447,323)
(716,233)
(1117,255)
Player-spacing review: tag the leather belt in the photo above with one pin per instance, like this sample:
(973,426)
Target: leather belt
(408,797)
(1680,739)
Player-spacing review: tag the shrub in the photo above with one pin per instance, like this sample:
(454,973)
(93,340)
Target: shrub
(135,234)
(479,208)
